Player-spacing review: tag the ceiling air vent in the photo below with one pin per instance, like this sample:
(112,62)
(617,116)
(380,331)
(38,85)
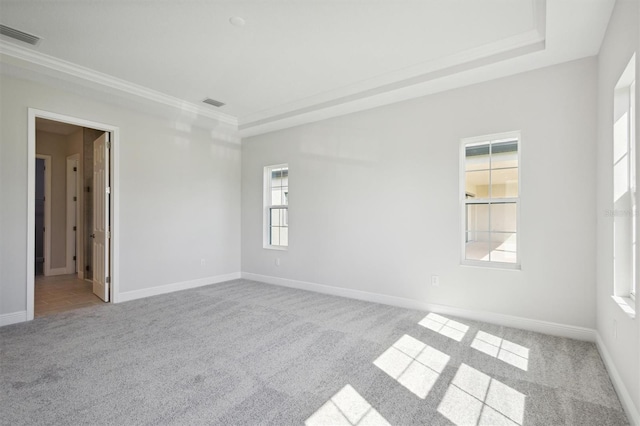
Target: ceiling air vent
(213,102)
(19,35)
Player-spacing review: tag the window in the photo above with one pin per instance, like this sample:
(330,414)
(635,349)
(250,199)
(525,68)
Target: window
(624,184)
(276,206)
(490,200)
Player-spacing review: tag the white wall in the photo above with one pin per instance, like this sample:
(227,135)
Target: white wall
(374,197)
(179,192)
(620,42)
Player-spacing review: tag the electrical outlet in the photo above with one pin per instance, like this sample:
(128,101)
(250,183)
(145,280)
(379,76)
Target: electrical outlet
(435,280)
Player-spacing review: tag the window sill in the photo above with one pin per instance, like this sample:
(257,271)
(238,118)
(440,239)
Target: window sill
(491,265)
(626,304)
(280,248)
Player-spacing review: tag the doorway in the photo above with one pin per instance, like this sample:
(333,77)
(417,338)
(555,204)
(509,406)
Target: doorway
(69,267)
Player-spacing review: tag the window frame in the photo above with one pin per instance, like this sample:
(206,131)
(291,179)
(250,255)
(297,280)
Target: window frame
(268,206)
(633,189)
(624,291)
(464,200)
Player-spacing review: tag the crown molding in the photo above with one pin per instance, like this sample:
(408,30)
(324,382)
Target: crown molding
(456,70)
(438,81)
(389,88)
(105,80)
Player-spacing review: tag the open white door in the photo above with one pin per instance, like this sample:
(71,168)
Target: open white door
(101,234)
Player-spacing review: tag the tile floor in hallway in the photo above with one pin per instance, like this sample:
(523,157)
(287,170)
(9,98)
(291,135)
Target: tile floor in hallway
(62,293)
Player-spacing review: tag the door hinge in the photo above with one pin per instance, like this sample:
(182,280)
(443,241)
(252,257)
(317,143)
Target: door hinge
(74,258)
(109,234)
(108,144)
(108,280)
(87,268)
(75,169)
(108,190)
(75,228)
(75,198)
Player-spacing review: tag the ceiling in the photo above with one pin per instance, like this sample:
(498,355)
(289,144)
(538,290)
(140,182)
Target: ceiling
(297,61)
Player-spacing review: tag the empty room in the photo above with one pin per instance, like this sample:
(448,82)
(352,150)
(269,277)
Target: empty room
(324,212)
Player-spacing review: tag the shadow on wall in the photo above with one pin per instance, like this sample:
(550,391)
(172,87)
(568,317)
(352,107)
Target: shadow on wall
(225,141)
(335,148)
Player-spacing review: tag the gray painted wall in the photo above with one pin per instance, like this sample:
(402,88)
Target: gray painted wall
(620,41)
(374,197)
(179,192)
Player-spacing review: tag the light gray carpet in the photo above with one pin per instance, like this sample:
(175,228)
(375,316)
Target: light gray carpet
(249,353)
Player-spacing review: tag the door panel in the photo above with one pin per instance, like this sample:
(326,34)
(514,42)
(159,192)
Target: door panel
(100,234)
(39,219)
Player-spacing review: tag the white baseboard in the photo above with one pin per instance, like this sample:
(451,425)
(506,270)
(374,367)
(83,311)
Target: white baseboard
(12,318)
(627,402)
(170,288)
(338,291)
(80,275)
(539,326)
(57,271)
(546,327)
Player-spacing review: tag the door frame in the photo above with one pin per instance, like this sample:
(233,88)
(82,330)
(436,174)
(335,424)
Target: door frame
(46,268)
(114,216)
(73,206)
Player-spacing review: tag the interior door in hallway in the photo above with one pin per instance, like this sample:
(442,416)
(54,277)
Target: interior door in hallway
(101,230)
(39,217)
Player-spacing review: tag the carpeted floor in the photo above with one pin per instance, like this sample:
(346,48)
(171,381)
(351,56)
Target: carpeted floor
(246,353)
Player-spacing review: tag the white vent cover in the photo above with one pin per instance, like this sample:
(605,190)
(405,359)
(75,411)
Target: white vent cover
(213,102)
(19,35)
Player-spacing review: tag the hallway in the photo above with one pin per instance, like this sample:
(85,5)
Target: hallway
(62,293)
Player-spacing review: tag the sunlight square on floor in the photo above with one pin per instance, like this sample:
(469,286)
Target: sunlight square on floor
(449,328)
(413,364)
(502,349)
(476,398)
(346,408)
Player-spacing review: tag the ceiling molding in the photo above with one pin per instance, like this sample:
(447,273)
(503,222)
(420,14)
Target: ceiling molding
(388,88)
(101,79)
(488,70)
(554,35)
(370,98)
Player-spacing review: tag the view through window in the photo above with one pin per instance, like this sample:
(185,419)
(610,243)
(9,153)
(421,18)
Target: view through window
(276,199)
(491,196)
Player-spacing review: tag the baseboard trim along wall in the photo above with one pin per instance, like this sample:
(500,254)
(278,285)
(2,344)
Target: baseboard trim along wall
(13,318)
(618,384)
(546,327)
(170,288)
(57,271)
(539,326)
